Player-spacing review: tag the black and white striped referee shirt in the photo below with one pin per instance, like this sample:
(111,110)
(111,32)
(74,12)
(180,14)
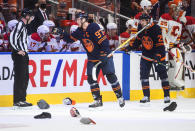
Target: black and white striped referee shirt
(18,37)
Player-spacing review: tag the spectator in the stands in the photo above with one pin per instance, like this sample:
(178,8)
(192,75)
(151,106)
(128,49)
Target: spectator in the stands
(41,15)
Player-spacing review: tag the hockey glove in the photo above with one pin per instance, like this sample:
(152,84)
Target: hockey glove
(104,59)
(157,59)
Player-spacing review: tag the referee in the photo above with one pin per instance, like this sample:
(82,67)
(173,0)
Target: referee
(18,41)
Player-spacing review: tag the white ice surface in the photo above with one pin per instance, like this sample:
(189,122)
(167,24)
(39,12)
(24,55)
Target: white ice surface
(134,117)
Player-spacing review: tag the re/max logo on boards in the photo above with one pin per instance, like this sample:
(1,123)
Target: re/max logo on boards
(68,70)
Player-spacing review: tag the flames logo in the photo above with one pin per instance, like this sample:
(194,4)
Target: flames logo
(147,42)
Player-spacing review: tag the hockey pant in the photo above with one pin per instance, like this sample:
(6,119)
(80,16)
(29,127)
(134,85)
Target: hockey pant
(108,70)
(145,67)
(176,70)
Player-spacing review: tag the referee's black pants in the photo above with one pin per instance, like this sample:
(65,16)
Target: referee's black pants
(21,77)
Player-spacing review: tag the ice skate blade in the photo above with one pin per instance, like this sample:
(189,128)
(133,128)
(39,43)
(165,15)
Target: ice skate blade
(22,108)
(147,104)
(95,108)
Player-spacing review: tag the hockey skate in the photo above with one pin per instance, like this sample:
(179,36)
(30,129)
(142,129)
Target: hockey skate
(121,102)
(167,99)
(97,103)
(145,99)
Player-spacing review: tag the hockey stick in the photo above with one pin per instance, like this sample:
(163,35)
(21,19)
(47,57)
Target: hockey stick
(119,47)
(176,59)
(149,59)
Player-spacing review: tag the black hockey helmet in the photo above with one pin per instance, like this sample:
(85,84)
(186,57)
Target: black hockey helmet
(26,12)
(144,16)
(82,15)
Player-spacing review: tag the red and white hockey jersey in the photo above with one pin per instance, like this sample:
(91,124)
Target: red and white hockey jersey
(70,47)
(113,42)
(35,43)
(123,37)
(6,44)
(2,26)
(190,26)
(136,18)
(173,29)
(76,47)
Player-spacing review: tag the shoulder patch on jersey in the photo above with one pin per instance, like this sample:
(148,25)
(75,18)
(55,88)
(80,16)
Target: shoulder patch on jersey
(166,16)
(36,37)
(125,35)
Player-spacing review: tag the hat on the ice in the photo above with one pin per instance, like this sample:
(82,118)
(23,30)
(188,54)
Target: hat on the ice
(68,101)
(74,112)
(42,104)
(87,120)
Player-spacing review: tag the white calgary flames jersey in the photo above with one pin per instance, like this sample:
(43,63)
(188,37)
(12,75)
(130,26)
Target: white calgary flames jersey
(76,46)
(190,26)
(2,25)
(173,29)
(113,42)
(35,43)
(71,47)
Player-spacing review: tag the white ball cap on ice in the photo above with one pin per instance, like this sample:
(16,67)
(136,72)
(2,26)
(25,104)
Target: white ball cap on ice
(73,28)
(12,24)
(130,22)
(42,29)
(49,23)
(145,3)
(111,26)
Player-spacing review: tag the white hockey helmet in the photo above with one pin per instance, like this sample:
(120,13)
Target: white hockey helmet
(130,22)
(12,24)
(49,23)
(42,30)
(101,27)
(145,3)
(111,26)
(73,28)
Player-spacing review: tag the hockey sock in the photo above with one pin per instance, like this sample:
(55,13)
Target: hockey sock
(117,90)
(146,90)
(145,87)
(165,86)
(115,84)
(166,90)
(95,90)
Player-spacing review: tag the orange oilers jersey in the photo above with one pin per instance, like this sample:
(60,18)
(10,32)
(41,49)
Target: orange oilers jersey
(151,42)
